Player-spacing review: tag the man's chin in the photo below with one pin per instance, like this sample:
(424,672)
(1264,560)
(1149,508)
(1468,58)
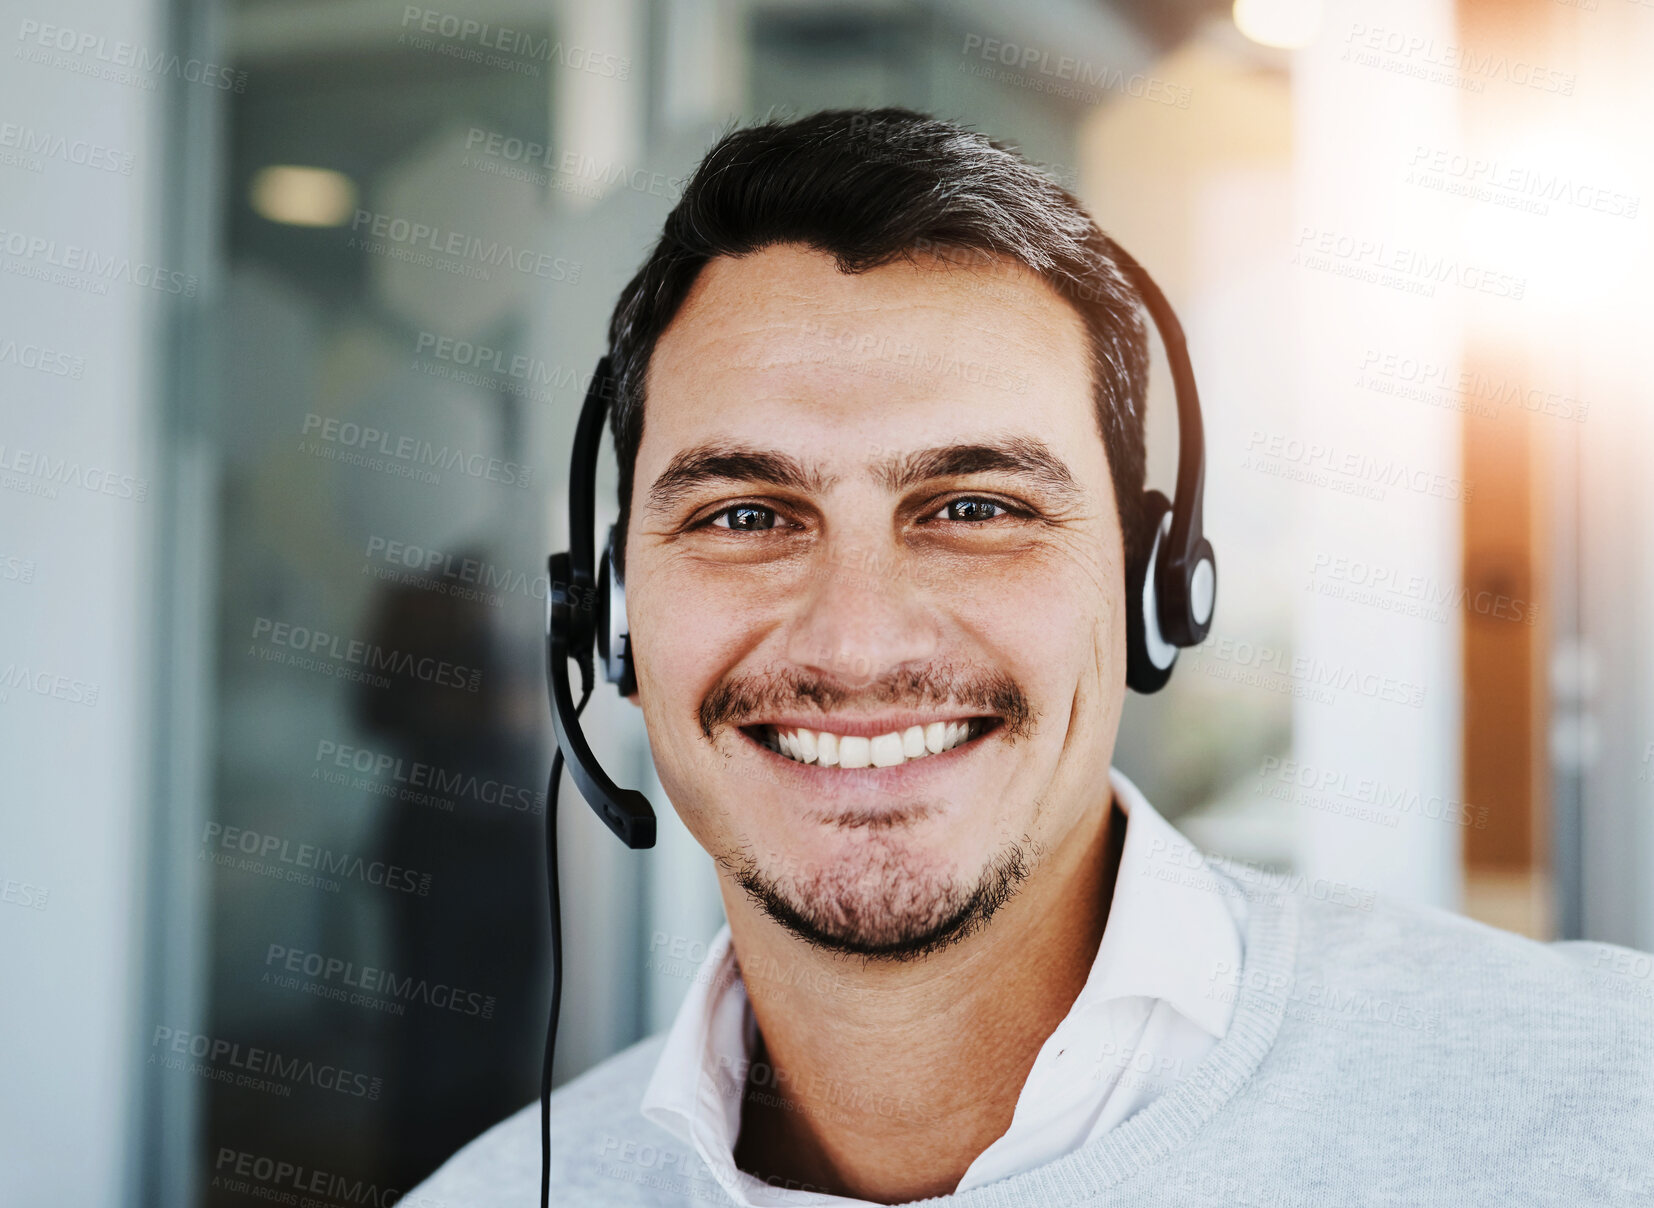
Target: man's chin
(879,905)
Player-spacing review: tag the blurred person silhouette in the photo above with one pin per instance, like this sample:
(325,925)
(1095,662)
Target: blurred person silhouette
(470,814)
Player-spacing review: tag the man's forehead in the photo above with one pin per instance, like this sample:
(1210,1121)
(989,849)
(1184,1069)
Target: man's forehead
(781,369)
(786,303)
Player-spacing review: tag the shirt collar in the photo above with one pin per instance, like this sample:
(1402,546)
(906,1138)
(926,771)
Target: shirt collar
(1170,922)
(695,1091)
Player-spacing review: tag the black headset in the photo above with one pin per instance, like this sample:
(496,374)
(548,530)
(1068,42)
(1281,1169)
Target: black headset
(1170,594)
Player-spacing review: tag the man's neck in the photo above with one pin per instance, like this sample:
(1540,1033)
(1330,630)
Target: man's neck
(884,1080)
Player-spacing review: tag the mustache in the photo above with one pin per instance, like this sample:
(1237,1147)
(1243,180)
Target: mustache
(738,699)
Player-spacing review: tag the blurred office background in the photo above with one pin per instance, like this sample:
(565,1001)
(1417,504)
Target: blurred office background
(1409,246)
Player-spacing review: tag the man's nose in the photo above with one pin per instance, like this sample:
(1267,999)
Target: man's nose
(864,615)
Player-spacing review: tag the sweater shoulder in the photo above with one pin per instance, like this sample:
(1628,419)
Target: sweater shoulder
(1455,999)
(1410,1037)
(1471,969)
(603,1150)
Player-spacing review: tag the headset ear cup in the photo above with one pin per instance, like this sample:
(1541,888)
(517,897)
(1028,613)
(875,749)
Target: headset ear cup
(625,675)
(614,642)
(619,655)
(1149,659)
(599,612)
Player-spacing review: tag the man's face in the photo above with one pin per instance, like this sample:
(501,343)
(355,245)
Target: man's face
(863,504)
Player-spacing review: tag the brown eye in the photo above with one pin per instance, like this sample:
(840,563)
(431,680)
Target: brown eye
(745,518)
(973,509)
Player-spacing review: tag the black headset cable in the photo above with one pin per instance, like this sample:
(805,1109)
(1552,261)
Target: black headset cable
(556,914)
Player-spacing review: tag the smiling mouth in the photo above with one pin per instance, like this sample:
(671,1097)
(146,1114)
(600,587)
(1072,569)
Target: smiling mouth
(827,749)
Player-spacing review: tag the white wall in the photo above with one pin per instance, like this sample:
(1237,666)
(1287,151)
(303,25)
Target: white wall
(74,591)
(1597,319)
(1356,124)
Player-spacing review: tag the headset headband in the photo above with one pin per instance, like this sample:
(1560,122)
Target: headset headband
(1187,576)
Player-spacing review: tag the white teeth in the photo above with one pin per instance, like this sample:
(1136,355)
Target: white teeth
(854,752)
(887,751)
(826,749)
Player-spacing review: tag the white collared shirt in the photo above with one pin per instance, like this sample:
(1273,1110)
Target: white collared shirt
(1144,1020)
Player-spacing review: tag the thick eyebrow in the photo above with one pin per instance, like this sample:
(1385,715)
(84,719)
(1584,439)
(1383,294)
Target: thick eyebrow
(729,461)
(1025,456)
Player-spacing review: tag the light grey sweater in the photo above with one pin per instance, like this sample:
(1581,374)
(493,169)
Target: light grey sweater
(1393,1055)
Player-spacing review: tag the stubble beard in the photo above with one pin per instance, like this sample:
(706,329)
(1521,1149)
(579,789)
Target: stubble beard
(886,900)
(884,903)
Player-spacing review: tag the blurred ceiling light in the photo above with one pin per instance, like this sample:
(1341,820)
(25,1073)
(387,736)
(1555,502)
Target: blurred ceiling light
(298,196)
(1287,24)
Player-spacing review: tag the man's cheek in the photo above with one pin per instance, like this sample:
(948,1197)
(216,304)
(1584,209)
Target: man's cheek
(667,743)
(1094,689)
